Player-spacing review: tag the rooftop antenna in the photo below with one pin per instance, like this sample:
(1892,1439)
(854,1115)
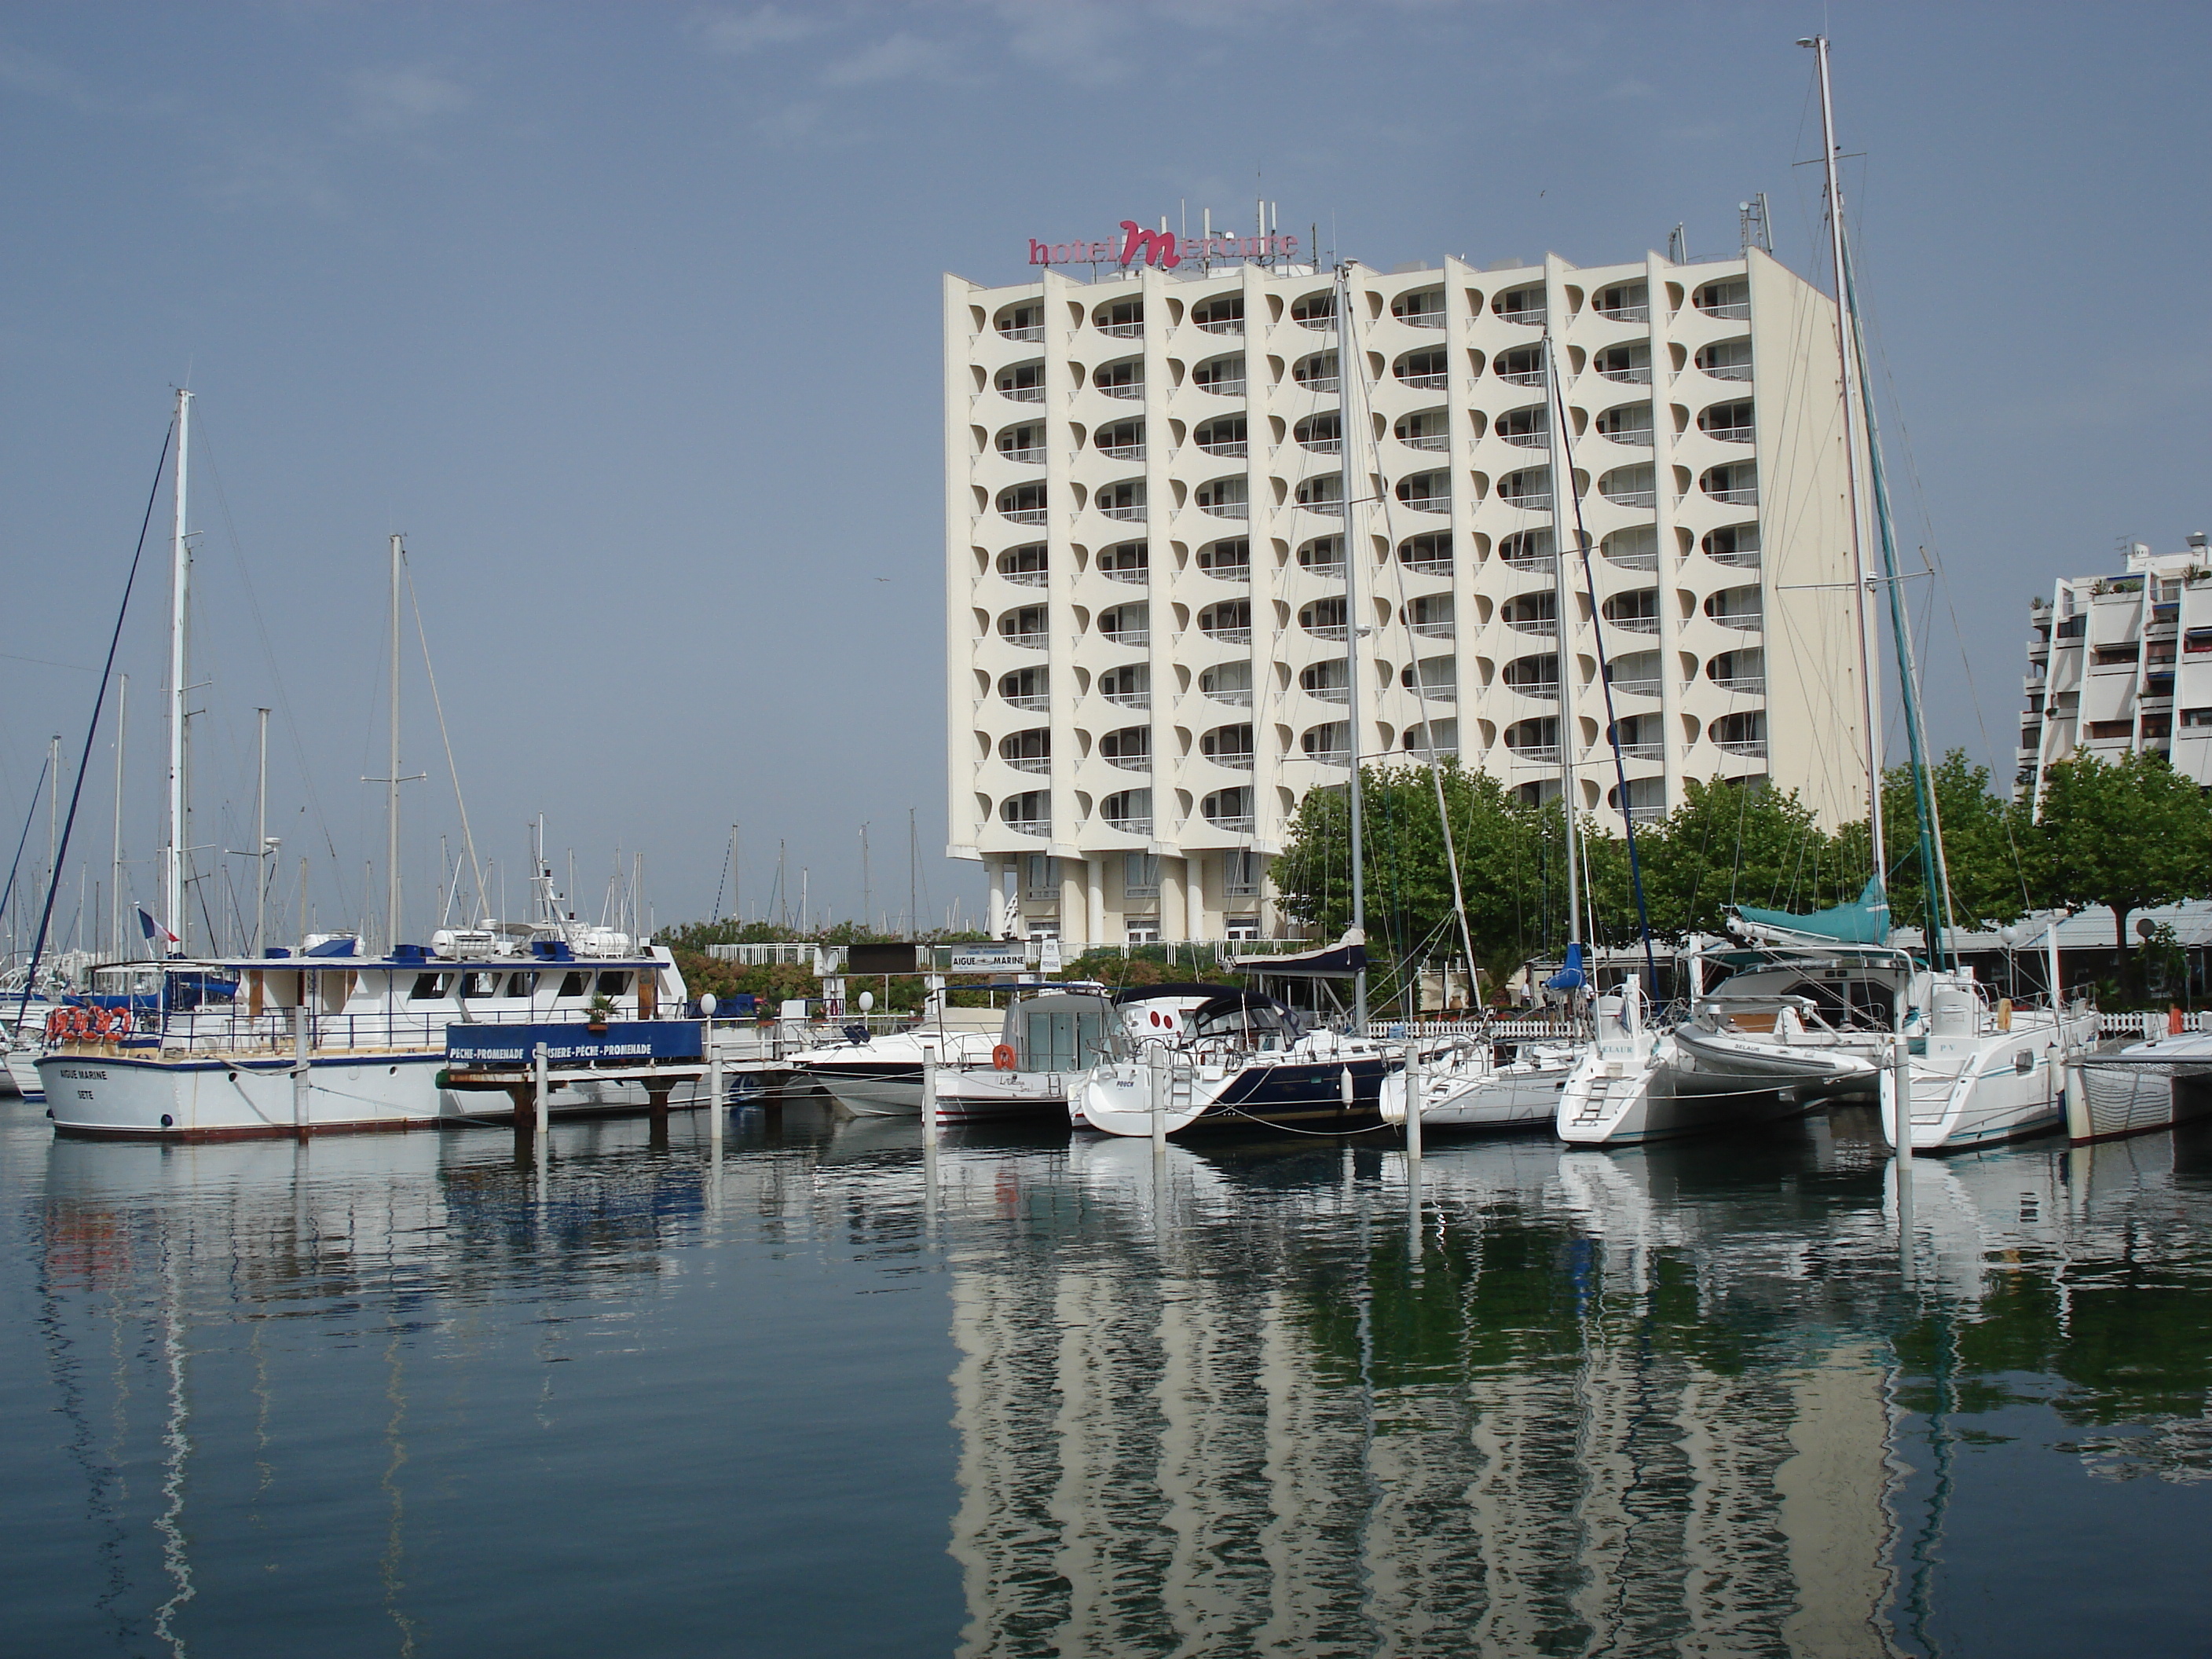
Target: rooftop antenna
(1678,245)
(1752,224)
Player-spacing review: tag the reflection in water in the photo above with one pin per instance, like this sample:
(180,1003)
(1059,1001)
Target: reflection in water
(1673,1399)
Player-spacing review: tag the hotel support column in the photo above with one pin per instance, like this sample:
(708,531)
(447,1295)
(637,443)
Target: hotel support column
(995,924)
(1172,915)
(1665,499)
(1094,876)
(1074,900)
(1197,872)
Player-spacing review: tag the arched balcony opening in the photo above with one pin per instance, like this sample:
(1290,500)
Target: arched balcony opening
(1524,306)
(1522,366)
(1729,422)
(1025,565)
(1126,624)
(1421,308)
(1315,373)
(1426,492)
(1225,498)
(1323,494)
(1225,434)
(1023,503)
(1129,686)
(1130,748)
(1228,745)
(1428,369)
(1228,621)
(1322,556)
(1227,561)
(1634,674)
(1130,811)
(1027,751)
(1124,441)
(1124,500)
(1123,319)
(1738,607)
(1734,544)
(1731,297)
(1647,800)
(1636,611)
(1743,671)
(1323,434)
(1025,321)
(1742,733)
(1028,627)
(1439,738)
(1029,813)
(1424,429)
(1531,613)
(1735,483)
(1725,359)
(1628,363)
(1125,379)
(1528,426)
(1635,485)
(1229,809)
(1023,445)
(1432,679)
(1125,562)
(1636,548)
(1534,677)
(1330,680)
(1639,737)
(1316,310)
(1327,744)
(1228,682)
(1624,302)
(1432,616)
(1627,423)
(1535,742)
(1222,376)
(1222,314)
(1026,688)
(1429,554)
(1528,489)
(1322,618)
(1526,549)
(1023,382)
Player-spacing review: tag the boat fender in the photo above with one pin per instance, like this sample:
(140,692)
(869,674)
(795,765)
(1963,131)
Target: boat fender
(1002,1057)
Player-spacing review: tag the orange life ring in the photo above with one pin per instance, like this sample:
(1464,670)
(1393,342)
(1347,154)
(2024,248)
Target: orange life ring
(56,1024)
(118,1023)
(1003,1057)
(81,1026)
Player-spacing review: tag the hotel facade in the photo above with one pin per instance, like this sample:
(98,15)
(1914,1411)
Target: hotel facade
(1146,539)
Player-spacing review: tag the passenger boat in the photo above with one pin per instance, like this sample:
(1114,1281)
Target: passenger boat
(285,1044)
(1051,1034)
(879,1073)
(1474,1083)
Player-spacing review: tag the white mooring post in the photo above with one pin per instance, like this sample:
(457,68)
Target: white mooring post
(1413,1087)
(1157,1074)
(929,1098)
(300,1083)
(714,1079)
(539,1091)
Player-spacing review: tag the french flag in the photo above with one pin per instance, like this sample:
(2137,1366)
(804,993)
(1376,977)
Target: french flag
(152,929)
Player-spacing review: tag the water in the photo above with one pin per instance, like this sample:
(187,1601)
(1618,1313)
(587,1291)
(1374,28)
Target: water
(399,1396)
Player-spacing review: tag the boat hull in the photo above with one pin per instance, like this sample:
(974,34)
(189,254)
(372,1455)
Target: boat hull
(1989,1087)
(1654,1096)
(1303,1096)
(975,1095)
(2143,1086)
(1470,1100)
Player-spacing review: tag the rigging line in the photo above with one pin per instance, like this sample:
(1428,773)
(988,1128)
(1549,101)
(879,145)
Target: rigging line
(1559,400)
(1421,689)
(268,652)
(92,727)
(29,819)
(453,770)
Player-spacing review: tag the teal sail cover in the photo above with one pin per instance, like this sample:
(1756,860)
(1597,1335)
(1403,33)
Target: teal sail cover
(1866,922)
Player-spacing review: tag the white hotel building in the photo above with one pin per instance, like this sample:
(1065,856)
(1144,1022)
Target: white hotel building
(2121,665)
(1144,576)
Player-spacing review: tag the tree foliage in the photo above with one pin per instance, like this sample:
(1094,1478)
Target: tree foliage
(2129,833)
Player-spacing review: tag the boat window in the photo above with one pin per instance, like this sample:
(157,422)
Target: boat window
(521,985)
(479,984)
(1062,1040)
(572,985)
(429,987)
(613,985)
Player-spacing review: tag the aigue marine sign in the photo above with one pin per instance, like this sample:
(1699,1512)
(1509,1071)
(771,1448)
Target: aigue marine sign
(1161,248)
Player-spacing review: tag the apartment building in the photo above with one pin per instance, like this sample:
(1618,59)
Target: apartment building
(2121,664)
(1146,603)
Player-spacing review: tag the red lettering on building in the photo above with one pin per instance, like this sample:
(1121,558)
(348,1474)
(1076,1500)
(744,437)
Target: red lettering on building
(1158,247)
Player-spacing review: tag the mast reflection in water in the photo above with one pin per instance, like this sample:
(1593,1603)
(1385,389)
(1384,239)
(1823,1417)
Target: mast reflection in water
(414,1395)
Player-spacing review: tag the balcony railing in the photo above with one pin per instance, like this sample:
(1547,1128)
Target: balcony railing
(1644,751)
(1745,558)
(1238,825)
(1750,684)
(1726,434)
(1635,624)
(1237,762)
(1434,630)
(1134,826)
(1028,331)
(1321,383)
(1023,394)
(1637,374)
(1130,699)
(1424,567)
(1326,630)
(1319,325)
(1522,376)
(1625,313)
(1224,325)
(1635,437)
(1736,310)
(1027,578)
(1138,574)
(1329,693)
(1128,637)
(1749,622)
(1538,501)
(1448,692)
(1752,748)
(1535,754)
(1637,688)
(1425,382)
(1130,763)
(1422,503)
(1236,697)
(1022,515)
(1230,637)
(1028,762)
(1532,318)
(1123,330)
(1545,625)
(1540,439)
(1238,446)
(1321,445)
(1227,510)
(1024,457)
(1648,559)
(1329,756)
(1427,441)
(1633,497)
(1728,371)
(1421,318)
(1131,513)
(1118,451)
(1547,690)
(1134,389)
(1028,642)
(1222,388)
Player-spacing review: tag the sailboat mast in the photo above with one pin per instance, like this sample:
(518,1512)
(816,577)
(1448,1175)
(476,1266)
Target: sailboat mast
(1351,437)
(261,840)
(1847,361)
(115,852)
(392,777)
(180,565)
(1563,602)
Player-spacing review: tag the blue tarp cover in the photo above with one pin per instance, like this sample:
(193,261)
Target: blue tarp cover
(1571,977)
(1866,922)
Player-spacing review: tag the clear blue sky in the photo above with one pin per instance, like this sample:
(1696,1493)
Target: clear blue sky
(627,315)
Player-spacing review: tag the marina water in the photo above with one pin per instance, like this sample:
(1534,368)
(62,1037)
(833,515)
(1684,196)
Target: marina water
(830,1393)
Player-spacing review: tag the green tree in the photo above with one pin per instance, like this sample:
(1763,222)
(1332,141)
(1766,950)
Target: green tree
(1740,843)
(2127,833)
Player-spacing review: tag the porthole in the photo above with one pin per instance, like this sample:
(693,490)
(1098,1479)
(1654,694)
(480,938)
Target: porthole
(168,1123)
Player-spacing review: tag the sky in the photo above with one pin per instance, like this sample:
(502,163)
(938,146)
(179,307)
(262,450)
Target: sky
(627,317)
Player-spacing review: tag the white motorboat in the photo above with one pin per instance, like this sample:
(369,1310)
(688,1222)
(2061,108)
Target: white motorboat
(2144,1085)
(1986,1074)
(282,1044)
(1050,1037)
(1474,1083)
(879,1073)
